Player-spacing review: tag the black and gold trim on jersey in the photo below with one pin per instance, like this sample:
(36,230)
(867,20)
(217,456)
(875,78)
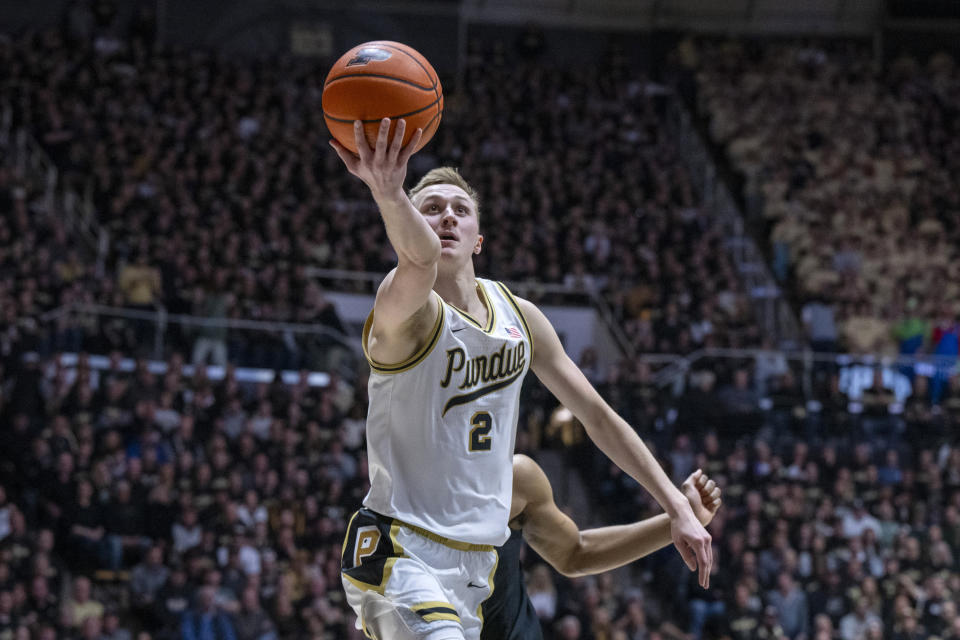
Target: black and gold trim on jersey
(516,306)
(431,611)
(413,360)
(370,549)
(491,311)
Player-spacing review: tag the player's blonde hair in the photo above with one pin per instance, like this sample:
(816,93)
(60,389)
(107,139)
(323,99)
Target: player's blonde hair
(446,175)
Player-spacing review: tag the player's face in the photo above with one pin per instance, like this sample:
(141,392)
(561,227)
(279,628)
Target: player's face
(453,216)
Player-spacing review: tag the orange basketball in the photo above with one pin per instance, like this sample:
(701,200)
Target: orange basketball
(377,80)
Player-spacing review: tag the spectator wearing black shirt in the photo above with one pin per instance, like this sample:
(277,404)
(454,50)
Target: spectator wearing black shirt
(42,603)
(123,525)
(8,618)
(172,600)
(743,619)
(61,488)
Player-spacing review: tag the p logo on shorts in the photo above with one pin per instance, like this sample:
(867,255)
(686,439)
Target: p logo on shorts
(370,550)
(367,540)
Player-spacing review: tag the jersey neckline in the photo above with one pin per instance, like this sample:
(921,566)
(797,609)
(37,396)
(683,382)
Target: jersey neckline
(485,300)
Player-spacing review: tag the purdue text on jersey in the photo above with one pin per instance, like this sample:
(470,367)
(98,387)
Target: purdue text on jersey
(501,368)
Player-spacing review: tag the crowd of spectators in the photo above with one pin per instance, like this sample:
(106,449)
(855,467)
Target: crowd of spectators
(840,520)
(168,506)
(850,164)
(198,509)
(219,192)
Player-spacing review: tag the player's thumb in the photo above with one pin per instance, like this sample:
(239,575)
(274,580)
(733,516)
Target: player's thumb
(688,555)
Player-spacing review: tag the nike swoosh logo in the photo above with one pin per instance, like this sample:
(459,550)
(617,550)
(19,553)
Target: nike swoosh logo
(457,329)
(475,586)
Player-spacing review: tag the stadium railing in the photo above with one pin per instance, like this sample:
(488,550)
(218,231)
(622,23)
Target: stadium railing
(59,198)
(774,314)
(671,371)
(282,344)
(70,360)
(536,291)
(856,371)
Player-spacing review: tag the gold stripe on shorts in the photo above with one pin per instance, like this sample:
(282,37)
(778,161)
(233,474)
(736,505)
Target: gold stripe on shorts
(447,542)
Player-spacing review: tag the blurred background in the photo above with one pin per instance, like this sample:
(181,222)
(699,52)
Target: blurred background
(742,217)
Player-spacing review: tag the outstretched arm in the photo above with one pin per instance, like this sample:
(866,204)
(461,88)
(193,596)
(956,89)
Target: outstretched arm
(572,552)
(615,438)
(404,297)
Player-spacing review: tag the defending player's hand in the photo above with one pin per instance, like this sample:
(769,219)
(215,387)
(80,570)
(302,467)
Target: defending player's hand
(382,168)
(693,543)
(703,494)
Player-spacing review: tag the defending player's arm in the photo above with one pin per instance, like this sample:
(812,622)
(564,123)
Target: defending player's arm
(572,552)
(404,300)
(615,438)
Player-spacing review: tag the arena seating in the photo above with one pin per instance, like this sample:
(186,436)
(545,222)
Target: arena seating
(851,167)
(130,501)
(214,176)
(157,488)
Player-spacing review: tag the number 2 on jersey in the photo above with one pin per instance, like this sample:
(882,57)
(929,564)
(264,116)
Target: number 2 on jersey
(480,439)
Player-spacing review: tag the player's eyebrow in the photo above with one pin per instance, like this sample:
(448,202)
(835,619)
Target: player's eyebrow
(437,196)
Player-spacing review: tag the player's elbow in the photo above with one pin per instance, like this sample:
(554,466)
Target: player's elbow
(600,421)
(571,571)
(424,257)
(575,563)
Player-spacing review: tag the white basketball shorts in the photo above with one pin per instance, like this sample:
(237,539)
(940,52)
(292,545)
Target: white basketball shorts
(443,581)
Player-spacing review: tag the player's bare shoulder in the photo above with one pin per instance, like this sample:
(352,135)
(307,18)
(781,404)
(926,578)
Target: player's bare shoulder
(391,340)
(530,484)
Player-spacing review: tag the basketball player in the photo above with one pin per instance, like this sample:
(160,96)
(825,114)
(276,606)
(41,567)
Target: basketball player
(448,353)
(508,613)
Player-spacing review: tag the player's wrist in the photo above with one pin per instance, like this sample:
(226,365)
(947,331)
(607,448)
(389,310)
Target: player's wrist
(391,197)
(677,505)
(703,519)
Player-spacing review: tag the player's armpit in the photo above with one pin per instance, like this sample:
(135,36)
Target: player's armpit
(558,372)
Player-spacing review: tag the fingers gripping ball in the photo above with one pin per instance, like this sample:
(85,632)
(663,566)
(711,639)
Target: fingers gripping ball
(377,80)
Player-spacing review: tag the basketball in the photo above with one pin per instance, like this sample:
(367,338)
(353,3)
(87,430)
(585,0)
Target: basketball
(377,80)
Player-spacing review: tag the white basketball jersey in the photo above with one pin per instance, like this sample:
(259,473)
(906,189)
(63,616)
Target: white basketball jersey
(442,424)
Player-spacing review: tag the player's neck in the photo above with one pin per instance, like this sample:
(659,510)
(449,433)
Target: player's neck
(460,290)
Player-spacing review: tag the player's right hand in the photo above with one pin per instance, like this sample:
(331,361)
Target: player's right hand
(382,168)
(703,494)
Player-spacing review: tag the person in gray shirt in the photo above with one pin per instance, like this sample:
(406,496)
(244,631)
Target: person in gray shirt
(791,604)
(148,577)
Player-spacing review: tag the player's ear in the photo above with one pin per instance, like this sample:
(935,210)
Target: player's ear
(478,246)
